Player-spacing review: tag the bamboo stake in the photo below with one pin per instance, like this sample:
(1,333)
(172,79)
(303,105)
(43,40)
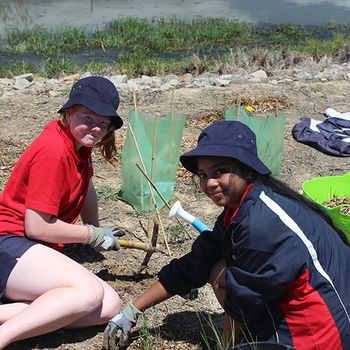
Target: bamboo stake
(172,104)
(277,109)
(162,198)
(238,106)
(154,146)
(152,167)
(139,153)
(148,182)
(138,150)
(163,232)
(172,129)
(135,100)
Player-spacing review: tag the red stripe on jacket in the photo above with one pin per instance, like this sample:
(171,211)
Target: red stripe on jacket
(309,319)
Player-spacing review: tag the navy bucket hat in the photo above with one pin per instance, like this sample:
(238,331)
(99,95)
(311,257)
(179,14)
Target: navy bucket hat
(97,94)
(231,139)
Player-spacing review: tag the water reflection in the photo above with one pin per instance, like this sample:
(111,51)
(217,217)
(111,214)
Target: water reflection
(94,14)
(14,11)
(296,11)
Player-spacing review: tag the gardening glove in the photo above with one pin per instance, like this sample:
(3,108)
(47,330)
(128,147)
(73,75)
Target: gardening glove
(119,326)
(105,238)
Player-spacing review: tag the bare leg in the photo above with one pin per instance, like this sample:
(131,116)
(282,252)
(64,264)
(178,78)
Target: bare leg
(62,293)
(232,332)
(8,311)
(218,282)
(110,307)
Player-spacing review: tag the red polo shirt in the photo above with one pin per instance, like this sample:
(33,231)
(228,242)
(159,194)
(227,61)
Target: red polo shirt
(51,176)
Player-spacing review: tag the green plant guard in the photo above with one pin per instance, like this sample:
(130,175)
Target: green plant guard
(269,131)
(154,144)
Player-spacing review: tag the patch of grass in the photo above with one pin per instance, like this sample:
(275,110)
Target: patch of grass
(318,48)
(148,340)
(177,233)
(163,45)
(211,335)
(106,193)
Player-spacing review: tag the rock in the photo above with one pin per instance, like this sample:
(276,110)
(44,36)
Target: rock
(154,82)
(201,81)
(223,82)
(23,81)
(260,75)
(166,86)
(170,77)
(27,76)
(5,81)
(303,76)
(72,77)
(306,70)
(53,93)
(186,78)
(174,82)
(119,79)
(132,85)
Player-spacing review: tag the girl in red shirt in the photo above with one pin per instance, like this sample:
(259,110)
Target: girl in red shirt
(48,190)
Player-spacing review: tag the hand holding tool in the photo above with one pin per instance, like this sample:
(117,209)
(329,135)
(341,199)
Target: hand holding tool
(105,238)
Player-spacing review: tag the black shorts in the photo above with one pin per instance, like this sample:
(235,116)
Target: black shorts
(11,248)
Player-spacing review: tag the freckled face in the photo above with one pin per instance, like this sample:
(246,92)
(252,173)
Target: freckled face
(86,127)
(218,182)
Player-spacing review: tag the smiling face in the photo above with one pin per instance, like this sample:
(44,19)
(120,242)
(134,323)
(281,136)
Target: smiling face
(87,127)
(219,183)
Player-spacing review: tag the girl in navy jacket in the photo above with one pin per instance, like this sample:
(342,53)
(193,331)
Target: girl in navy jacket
(277,265)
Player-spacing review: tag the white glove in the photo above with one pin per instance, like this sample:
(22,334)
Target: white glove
(105,238)
(116,334)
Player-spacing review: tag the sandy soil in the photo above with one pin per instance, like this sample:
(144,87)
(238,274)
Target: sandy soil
(174,323)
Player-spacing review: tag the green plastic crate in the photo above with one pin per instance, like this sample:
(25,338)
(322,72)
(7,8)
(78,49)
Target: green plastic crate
(322,189)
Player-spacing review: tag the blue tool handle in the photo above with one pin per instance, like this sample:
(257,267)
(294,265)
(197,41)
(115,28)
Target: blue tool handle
(199,226)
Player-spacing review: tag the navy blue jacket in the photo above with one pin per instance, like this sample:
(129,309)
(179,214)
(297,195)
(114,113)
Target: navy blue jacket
(288,272)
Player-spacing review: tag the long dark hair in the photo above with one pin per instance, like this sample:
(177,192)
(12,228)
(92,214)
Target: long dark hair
(282,188)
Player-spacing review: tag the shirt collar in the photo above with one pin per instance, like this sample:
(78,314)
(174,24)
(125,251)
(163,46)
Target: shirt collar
(231,213)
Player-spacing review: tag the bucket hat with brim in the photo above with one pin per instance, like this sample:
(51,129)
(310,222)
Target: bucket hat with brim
(99,95)
(231,139)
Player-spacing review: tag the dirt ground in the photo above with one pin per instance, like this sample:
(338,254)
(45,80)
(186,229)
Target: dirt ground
(174,323)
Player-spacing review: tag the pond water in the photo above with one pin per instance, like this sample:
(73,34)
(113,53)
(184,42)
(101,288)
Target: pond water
(94,14)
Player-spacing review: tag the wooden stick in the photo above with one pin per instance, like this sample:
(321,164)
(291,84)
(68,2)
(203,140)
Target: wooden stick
(171,150)
(140,156)
(140,246)
(135,100)
(172,104)
(152,168)
(154,186)
(162,198)
(238,106)
(154,146)
(150,252)
(163,232)
(135,245)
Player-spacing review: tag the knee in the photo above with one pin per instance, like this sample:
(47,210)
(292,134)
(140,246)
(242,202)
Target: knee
(111,305)
(90,296)
(217,276)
